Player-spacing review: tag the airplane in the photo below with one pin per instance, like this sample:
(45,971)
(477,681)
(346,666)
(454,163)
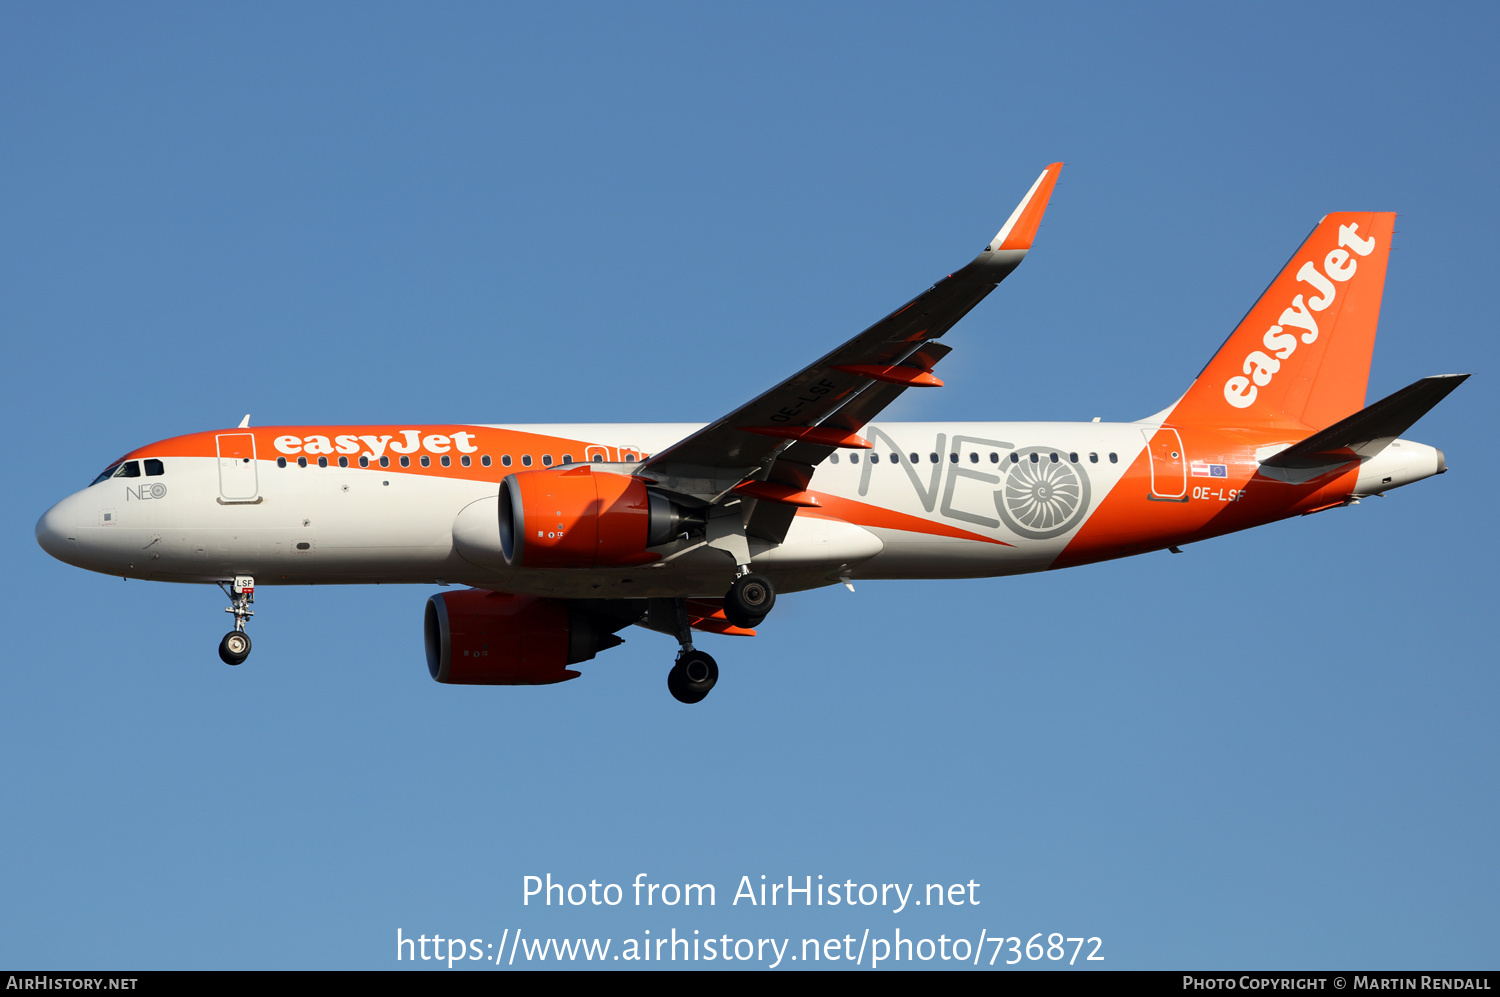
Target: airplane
(565,535)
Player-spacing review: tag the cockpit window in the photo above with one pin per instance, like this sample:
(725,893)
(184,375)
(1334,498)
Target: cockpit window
(153,467)
(108,472)
(129,469)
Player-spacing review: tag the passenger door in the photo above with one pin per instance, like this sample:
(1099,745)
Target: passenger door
(238,479)
(1168,466)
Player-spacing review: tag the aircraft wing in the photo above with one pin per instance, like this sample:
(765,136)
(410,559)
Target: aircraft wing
(778,438)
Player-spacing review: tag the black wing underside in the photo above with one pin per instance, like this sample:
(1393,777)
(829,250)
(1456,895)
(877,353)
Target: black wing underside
(838,394)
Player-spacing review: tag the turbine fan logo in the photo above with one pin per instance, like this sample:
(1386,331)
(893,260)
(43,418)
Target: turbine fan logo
(1045,494)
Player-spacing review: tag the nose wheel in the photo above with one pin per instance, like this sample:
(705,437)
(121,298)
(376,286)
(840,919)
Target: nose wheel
(235,647)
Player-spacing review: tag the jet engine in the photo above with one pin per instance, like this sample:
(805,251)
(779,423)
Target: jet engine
(476,637)
(576,517)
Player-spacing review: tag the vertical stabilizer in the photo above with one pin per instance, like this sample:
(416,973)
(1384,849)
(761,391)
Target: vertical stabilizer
(1301,357)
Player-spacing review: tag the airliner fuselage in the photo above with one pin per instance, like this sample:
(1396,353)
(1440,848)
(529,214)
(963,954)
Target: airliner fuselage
(927,500)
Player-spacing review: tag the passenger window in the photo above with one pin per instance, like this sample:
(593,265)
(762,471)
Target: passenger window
(1015,458)
(1035,457)
(546,460)
(630,458)
(1093,458)
(445,460)
(406,462)
(1054,458)
(504,461)
(854,458)
(526,460)
(874,458)
(281,462)
(1073,458)
(895,458)
(322,461)
(426,461)
(973,457)
(567,458)
(598,458)
(933,457)
(953,458)
(833,458)
(301,461)
(1113,459)
(129,469)
(464,460)
(994,457)
(364,462)
(343,462)
(485,460)
(153,467)
(385,462)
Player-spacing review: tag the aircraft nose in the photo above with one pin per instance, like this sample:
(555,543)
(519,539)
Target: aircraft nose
(57,530)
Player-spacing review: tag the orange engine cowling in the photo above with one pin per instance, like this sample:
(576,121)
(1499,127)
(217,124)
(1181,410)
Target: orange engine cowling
(476,637)
(576,517)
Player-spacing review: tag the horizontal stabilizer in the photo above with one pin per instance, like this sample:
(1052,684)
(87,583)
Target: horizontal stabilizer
(1371,429)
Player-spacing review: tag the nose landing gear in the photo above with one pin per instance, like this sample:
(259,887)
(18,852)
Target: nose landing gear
(235,647)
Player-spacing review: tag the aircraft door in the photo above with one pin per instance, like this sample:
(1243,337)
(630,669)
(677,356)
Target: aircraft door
(238,479)
(1168,466)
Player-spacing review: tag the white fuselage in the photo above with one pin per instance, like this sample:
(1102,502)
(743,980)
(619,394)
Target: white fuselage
(930,500)
(330,525)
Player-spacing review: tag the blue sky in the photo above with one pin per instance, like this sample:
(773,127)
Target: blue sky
(1277,750)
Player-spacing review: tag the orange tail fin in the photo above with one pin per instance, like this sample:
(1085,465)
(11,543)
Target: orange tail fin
(1300,358)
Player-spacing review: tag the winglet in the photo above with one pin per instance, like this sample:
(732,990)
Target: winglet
(1021,227)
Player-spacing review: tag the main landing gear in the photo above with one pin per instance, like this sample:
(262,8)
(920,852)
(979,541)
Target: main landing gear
(748,600)
(694,673)
(692,677)
(235,647)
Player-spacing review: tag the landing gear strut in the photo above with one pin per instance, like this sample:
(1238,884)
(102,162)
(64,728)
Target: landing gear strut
(693,675)
(235,647)
(748,600)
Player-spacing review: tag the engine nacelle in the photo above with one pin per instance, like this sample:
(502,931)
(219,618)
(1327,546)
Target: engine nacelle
(576,517)
(476,637)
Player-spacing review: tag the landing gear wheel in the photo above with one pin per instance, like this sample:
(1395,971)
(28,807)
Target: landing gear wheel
(692,677)
(748,600)
(235,647)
